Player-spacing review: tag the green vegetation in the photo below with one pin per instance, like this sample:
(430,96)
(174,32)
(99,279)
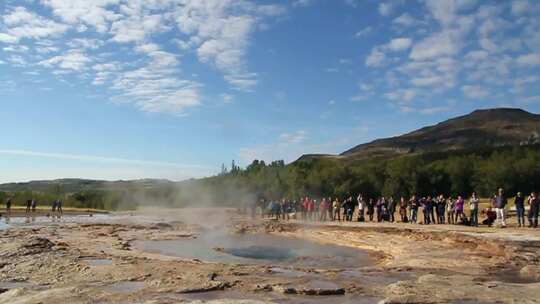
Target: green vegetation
(449,173)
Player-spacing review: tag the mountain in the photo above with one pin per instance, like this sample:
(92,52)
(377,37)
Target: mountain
(71,185)
(481,128)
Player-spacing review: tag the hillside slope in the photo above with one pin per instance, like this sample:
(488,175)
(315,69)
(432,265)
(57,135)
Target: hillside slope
(481,128)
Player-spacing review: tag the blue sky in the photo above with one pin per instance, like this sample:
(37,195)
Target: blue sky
(118,89)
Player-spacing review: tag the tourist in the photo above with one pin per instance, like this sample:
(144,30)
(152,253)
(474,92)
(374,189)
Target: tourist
(8,206)
(370,209)
(450,204)
(425,210)
(413,207)
(491,216)
(519,202)
(323,209)
(34,205)
(441,207)
(473,207)
(458,210)
(403,210)
(361,206)
(350,209)
(500,205)
(311,209)
(391,209)
(336,205)
(59,207)
(379,207)
(28,205)
(534,208)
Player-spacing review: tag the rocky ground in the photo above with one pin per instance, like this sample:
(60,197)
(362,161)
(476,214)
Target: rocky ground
(99,262)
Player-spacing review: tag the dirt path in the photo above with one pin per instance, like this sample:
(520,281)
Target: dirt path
(99,262)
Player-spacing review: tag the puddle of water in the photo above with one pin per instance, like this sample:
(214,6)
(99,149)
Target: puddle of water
(97,262)
(126,286)
(378,278)
(259,248)
(512,276)
(273,297)
(22,221)
(291,273)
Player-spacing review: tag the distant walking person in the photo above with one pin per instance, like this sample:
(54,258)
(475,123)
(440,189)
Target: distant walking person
(34,205)
(28,205)
(8,206)
(519,202)
(53,209)
(534,208)
(473,206)
(500,205)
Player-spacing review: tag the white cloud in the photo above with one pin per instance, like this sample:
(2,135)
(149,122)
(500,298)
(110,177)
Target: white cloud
(84,12)
(399,44)
(227,98)
(519,7)
(296,137)
(22,23)
(434,46)
(474,91)
(529,59)
(74,59)
(375,58)
(363,32)
(6,38)
(302,3)
(404,20)
(385,9)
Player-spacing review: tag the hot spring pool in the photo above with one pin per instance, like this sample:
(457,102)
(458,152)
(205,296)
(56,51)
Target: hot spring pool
(259,248)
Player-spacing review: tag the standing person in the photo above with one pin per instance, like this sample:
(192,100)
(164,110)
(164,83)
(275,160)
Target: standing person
(519,201)
(391,209)
(403,210)
(458,209)
(361,206)
(28,205)
(500,205)
(450,204)
(432,208)
(441,207)
(336,206)
(350,208)
(310,208)
(59,207)
(323,210)
(413,206)
(370,209)
(473,207)
(379,208)
(425,210)
(34,205)
(8,206)
(534,208)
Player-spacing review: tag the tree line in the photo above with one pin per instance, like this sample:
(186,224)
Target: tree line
(449,173)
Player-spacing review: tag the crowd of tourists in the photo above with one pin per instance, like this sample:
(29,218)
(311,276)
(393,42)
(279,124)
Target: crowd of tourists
(421,210)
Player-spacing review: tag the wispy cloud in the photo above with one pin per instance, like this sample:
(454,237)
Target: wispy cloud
(93,158)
